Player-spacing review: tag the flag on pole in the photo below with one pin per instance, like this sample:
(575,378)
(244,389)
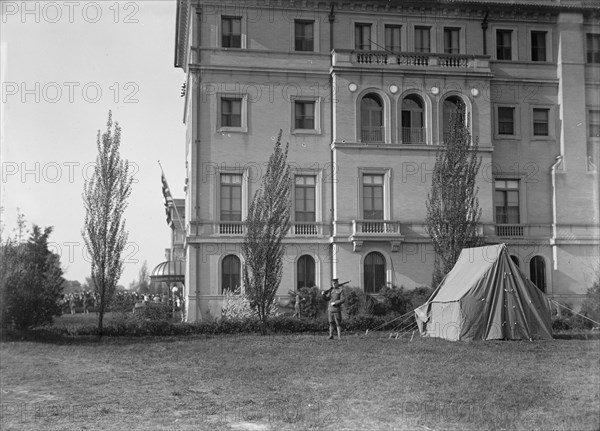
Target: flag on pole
(167,195)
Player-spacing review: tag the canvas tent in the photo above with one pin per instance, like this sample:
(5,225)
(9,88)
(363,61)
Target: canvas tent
(485,297)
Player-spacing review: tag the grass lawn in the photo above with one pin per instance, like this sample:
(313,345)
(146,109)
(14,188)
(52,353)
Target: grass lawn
(299,382)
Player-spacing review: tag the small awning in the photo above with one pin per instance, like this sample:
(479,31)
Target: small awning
(171,271)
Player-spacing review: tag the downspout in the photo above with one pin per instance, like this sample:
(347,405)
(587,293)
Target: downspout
(556,167)
(331,17)
(484,27)
(196,144)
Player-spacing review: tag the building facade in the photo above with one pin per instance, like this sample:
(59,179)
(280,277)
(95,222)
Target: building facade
(363,92)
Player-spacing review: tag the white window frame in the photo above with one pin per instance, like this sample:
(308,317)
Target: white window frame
(244,30)
(231,171)
(243,128)
(374,31)
(461,39)
(551,123)
(522,180)
(387,181)
(318,174)
(432,38)
(387,118)
(596,34)
(403,38)
(317,102)
(548,31)
(516,122)
(316,36)
(514,52)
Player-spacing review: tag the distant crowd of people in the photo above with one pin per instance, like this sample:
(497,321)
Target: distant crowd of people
(84,302)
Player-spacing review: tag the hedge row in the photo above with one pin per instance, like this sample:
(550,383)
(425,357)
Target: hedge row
(133,328)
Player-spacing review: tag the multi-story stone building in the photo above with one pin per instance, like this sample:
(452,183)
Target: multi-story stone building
(363,91)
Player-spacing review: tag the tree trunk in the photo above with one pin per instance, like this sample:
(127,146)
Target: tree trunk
(100,319)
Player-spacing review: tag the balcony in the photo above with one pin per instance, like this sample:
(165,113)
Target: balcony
(509,230)
(374,134)
(411,60)
(376,230)
(232,228)
(306,229)
(413,135)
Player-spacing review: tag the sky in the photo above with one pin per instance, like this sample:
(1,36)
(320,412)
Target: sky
(63,66)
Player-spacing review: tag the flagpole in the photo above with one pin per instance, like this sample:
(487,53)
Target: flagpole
(174,204)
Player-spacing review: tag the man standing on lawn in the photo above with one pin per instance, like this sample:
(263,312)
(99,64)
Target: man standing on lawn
(335,296)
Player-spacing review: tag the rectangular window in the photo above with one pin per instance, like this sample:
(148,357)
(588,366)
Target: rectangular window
(538,46)
(507,201)
(231,197)
(362,36)
(506,121)
(451,41)
(231,112)
(594,123)
(372,197)
(231,32)
(422,43)
(304,36)
(504,44)
(593,48)
(304,198)
(540,122)
(392,38)
(304,115)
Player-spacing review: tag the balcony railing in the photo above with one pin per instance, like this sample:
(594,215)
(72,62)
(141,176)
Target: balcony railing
(342,57)
(305,229)
(413,135)
(372,134)
(232,228)
(375,227)
(509,230)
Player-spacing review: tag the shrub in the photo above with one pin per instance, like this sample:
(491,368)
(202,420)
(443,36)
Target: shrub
(419,296)
(31,281)
(154,311)
(591,305)
(396,299)
(312,304)
(355,300)
(236,305)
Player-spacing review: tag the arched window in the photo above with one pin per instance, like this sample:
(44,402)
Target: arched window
(537,272)
(374,272)
(371,119)
(452,105)
(413,125)
(515,259)
(230,273)
(305,269)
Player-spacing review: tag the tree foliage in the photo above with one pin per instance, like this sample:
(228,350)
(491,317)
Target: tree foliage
(105,200)
(31,281)
(267,224)
(453,210)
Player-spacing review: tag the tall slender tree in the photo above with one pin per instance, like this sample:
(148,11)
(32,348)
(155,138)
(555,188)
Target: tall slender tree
(453,210)
(267,224)
(105,200)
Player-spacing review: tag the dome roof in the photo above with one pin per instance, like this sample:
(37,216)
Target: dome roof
(171,271)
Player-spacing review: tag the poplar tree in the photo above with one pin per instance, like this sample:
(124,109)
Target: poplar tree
(453,210)
(105,200)
(267,224)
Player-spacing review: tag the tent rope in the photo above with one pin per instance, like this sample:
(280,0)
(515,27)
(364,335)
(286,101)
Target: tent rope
(573,311)
(387,323)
